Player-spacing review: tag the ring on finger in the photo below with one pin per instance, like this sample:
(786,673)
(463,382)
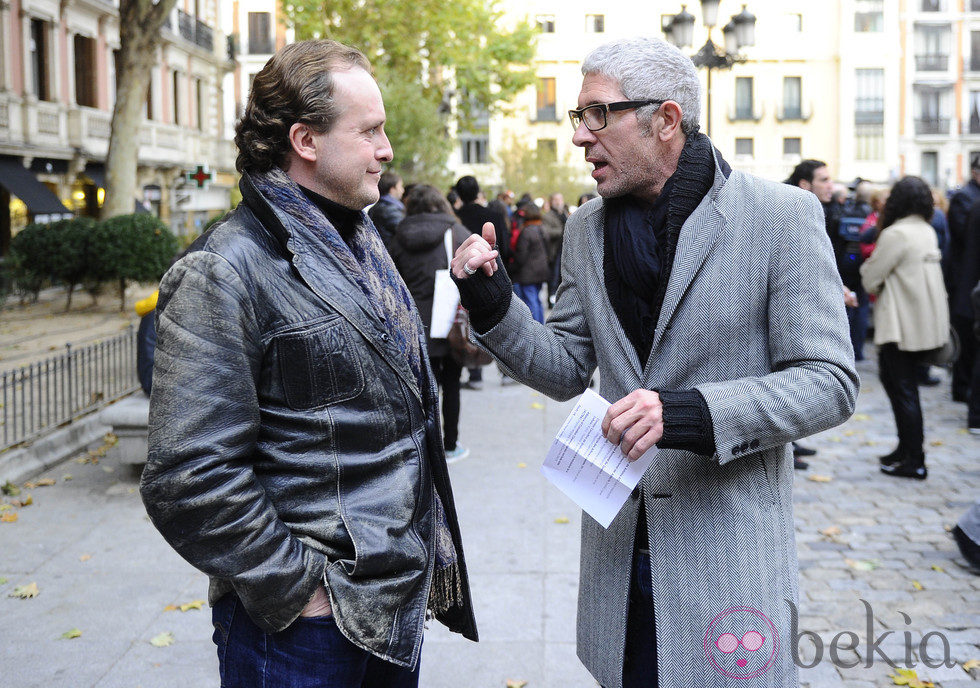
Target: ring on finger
(468,270)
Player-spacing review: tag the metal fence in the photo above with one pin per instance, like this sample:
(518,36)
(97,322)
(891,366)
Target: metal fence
(40,396)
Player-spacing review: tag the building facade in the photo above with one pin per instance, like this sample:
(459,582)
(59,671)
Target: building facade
(57,89)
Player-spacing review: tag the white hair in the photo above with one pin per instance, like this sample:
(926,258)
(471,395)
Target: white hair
(650,69)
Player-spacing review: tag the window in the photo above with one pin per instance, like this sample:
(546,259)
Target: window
(869,142)
(745,147)
(792,97)
(869,105)
(794,22)
(473,148)
(149,95)
(595,23)
(260,33)
(199,100)
(932,48)
(743,97)
(933,110)
(933,5)
(547,149)
(930,168)
(546,99)
(792,146)
(975,112)
(869,16)
(85,70)
(975,51)
(40,59)
(177,98)
(546,23)
(975,5)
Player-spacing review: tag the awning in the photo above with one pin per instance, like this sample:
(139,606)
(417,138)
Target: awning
(39,199)
(96,172)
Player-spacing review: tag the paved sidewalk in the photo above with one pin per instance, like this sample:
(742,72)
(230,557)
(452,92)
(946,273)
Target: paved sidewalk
(100,566)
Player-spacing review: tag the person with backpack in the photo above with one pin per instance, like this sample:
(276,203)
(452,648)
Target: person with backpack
(530,269)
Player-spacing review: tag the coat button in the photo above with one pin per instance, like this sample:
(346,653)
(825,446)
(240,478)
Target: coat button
(385,337)
(736,450)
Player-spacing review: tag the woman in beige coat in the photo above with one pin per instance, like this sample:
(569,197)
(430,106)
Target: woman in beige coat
(911,315)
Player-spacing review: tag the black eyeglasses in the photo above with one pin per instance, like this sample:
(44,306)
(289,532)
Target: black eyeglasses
(594,116)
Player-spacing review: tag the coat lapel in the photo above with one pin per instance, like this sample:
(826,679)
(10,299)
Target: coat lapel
(697,238)
(595,229)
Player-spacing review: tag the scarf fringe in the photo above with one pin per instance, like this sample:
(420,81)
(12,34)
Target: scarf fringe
(447,589)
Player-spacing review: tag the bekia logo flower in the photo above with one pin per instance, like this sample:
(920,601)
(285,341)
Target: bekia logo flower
(741,643)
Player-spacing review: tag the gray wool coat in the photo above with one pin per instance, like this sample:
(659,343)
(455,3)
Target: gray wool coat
(754,319)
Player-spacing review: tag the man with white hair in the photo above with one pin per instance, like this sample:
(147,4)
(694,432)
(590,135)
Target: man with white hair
(710,302)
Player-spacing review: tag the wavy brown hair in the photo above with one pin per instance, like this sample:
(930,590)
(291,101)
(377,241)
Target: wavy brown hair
(296,85)
(426,199)
(909,196)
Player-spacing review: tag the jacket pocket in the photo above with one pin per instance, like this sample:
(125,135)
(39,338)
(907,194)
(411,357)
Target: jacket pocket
(766,489)
(318,365)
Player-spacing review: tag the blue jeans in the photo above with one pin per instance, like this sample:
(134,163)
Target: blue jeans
(857,319)
(309,653)
(531,295)
(640,664)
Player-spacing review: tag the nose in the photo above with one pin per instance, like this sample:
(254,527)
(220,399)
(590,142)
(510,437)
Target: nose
(384,153)
(582,136)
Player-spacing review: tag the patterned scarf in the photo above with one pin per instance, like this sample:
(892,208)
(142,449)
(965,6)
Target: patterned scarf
(368,262)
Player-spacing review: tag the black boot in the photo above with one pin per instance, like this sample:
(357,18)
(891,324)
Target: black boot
(909,467)
(799,450)
(895,457)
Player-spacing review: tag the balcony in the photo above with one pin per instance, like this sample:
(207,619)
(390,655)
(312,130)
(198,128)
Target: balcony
(546,114)
(794,113)
(745,112)
(974,6)
(933,5)
(932,63)
(195,31)
(932,126)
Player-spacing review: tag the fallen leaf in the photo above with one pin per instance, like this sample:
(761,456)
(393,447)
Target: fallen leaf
(66,477)
(819,478)
(9,517)
(85,557)
(522,465)
(869,443)
(110,439)
(537,406)
(936,443)
(43,482)
(561,519)
(26,501)
(937,567)
(515,683)
(831,532)
(171,608)
(196,604)
(25,591)
(108,469)
(5,507)
(861,417)
(849,433)
(73,633)
(862,564)
(10,489)
(908,677)
(165,639)
(917,585)
(963,431)
(970,665)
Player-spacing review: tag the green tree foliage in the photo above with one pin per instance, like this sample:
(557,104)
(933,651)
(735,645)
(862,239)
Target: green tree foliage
(72,252)
(30,259)
(137,247)
(437,63)
(539,172)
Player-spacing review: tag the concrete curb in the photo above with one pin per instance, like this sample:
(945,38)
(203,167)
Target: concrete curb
(20,464)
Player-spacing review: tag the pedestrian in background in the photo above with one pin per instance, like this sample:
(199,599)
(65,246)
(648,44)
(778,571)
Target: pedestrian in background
(418,250)
(554,216)
(530,269)
(911,314)
(389,210)
(960,206)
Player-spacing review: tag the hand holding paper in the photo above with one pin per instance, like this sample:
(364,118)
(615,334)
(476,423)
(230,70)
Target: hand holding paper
(589,469)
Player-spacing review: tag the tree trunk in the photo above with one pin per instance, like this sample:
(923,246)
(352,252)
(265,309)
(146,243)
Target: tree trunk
(140,22)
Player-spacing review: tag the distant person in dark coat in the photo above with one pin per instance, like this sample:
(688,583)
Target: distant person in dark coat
(530,267)
(962,225)
(418,249)
(389,210)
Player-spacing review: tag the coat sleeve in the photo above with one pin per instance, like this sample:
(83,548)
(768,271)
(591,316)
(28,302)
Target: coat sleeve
(813,383)
(557,358)
(199,486)
(887,254)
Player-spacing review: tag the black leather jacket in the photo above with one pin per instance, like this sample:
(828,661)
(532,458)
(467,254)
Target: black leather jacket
(289,441)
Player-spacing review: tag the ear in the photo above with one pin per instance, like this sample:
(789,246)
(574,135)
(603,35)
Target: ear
(671,114)
(301,140)
(805,185)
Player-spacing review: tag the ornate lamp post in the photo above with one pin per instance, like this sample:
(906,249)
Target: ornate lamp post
(738,33)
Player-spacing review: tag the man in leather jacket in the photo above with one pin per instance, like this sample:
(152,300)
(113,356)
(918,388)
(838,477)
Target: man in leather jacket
(295,450)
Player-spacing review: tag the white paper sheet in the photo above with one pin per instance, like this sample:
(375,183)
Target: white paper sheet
(592,471)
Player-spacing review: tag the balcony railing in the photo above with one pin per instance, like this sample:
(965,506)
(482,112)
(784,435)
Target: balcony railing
(745,112)
(869,116)
(798,112)
(195,31)
(933,5)
(932,126)
(932,63)
(546,114)
(974,124)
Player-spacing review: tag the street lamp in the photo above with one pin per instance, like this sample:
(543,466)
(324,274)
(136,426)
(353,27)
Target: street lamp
(738,33)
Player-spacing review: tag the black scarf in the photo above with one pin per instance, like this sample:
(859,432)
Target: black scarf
(640,241)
